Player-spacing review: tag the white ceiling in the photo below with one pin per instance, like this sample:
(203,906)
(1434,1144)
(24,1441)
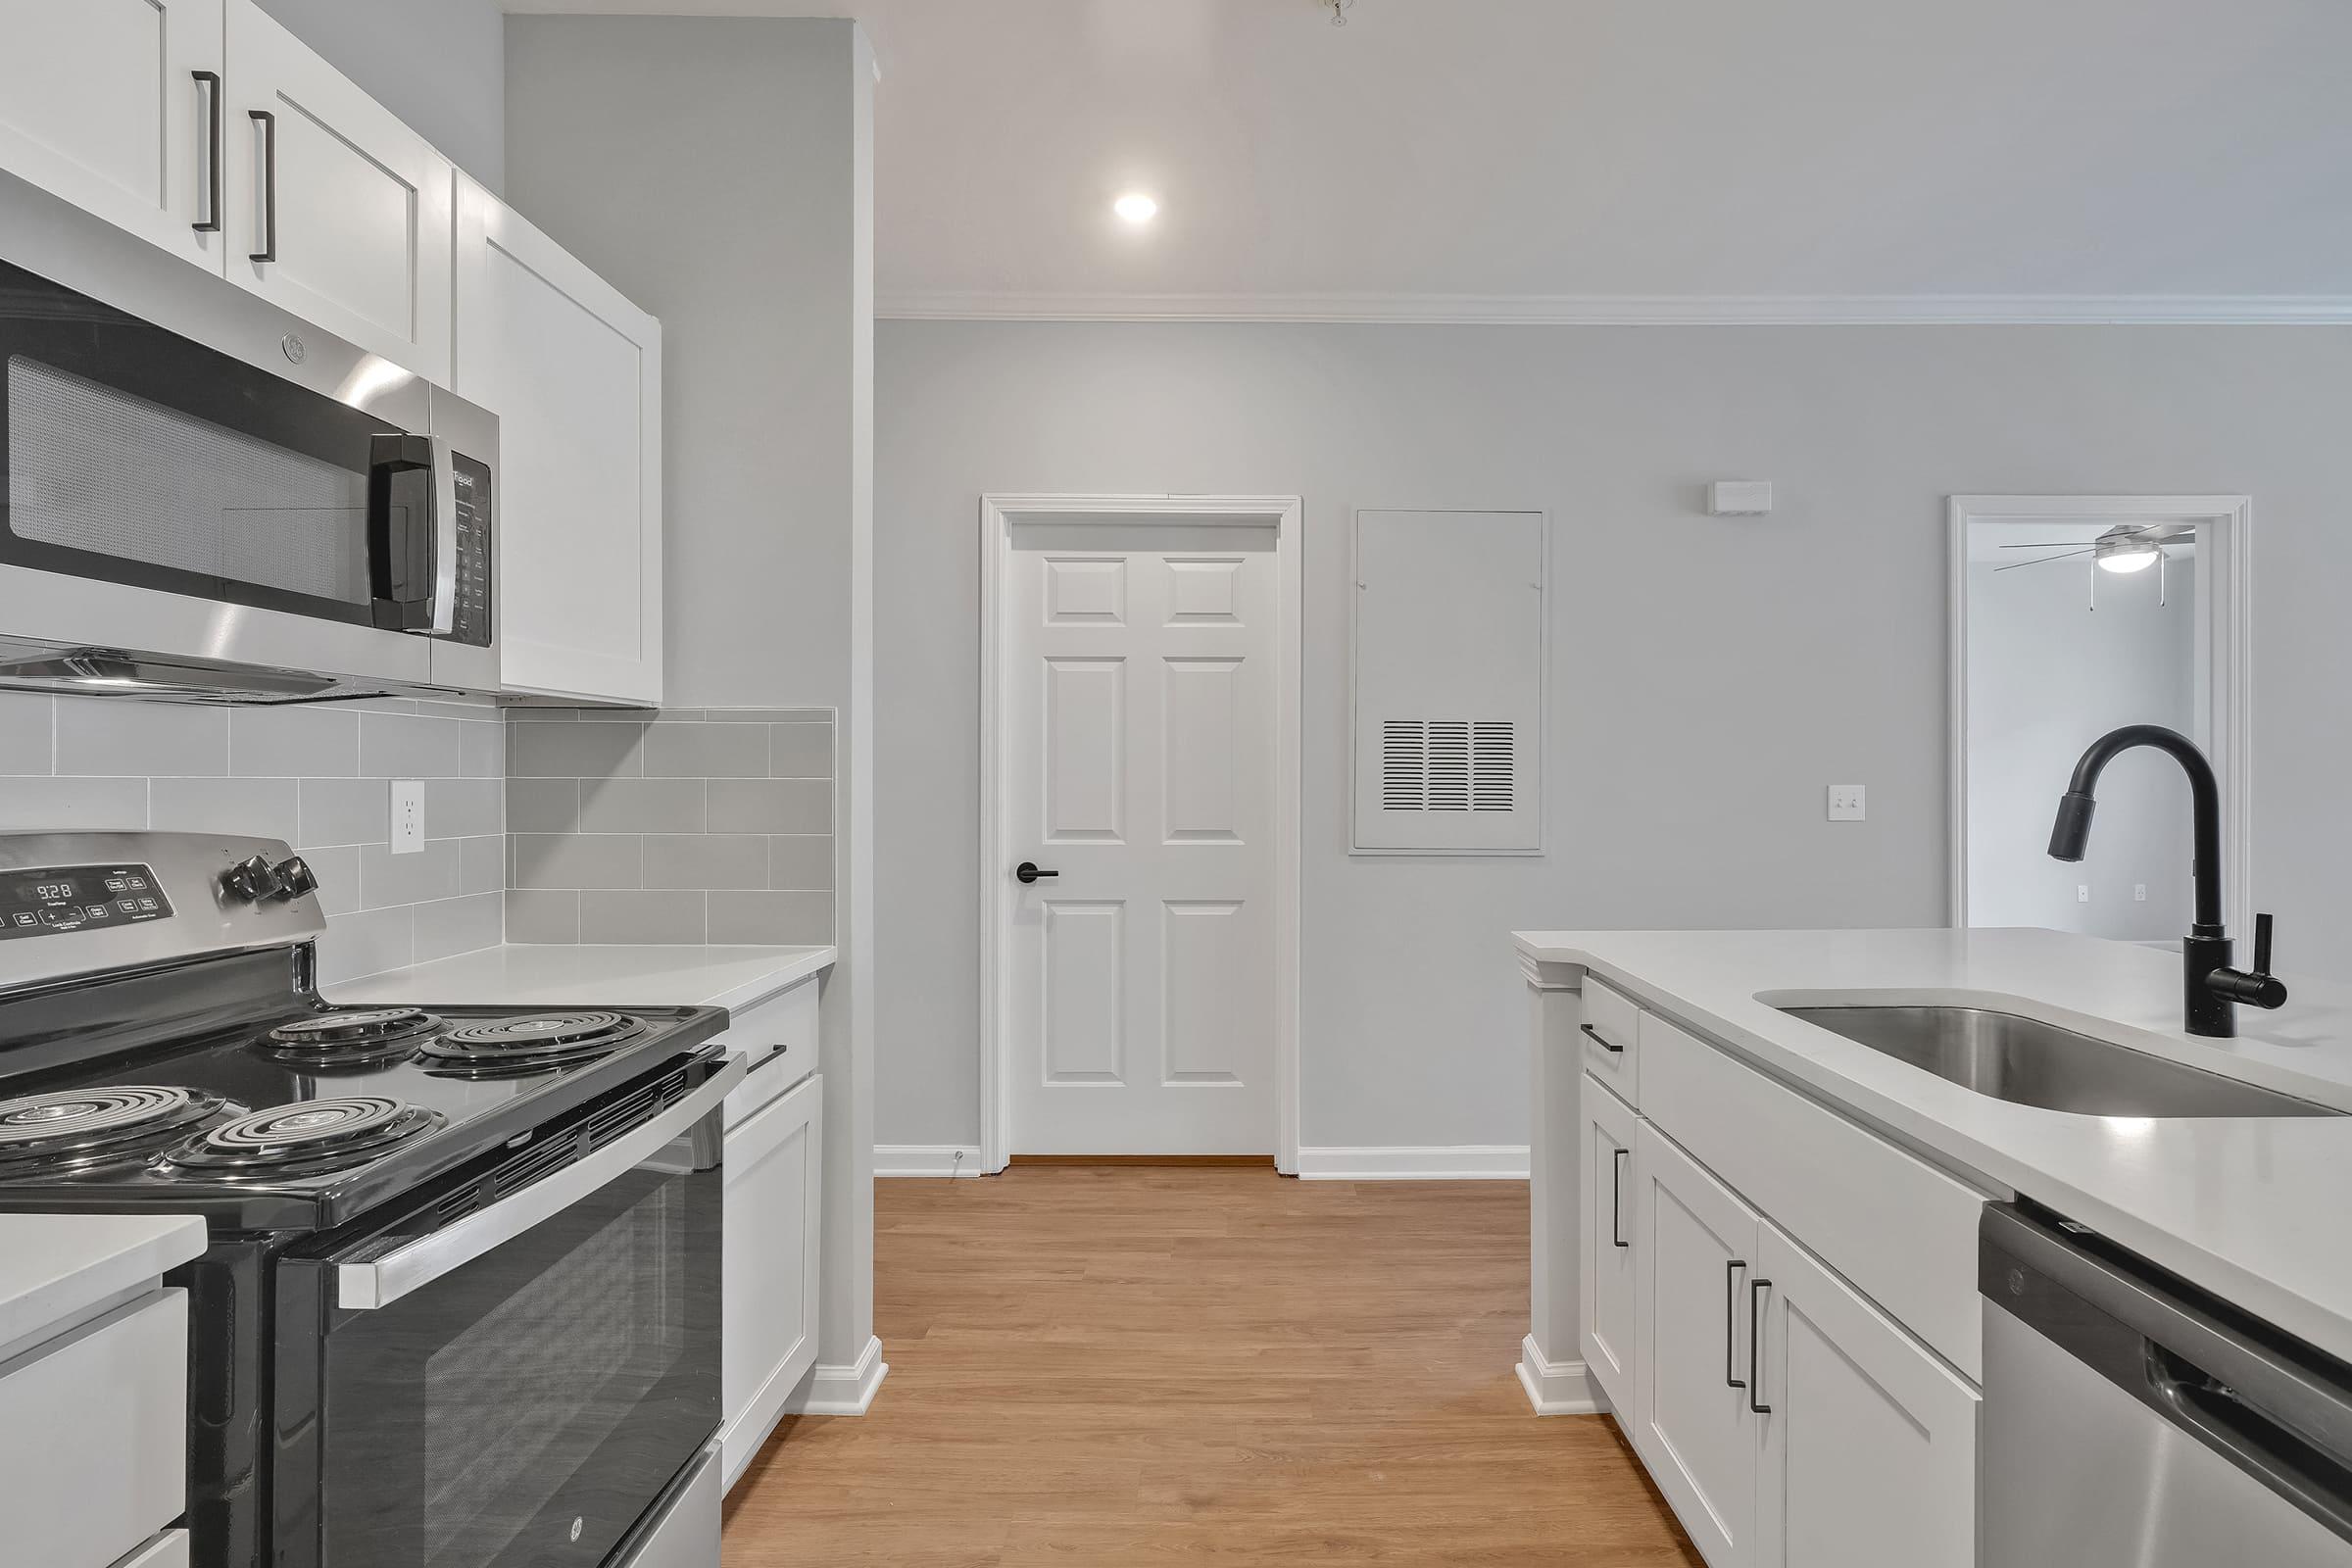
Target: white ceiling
(1609,159)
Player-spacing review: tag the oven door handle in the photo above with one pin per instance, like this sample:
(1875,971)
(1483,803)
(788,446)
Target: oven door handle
(381,1281)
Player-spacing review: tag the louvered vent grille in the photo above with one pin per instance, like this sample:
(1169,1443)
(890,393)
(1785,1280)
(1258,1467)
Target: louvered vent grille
(1447,765)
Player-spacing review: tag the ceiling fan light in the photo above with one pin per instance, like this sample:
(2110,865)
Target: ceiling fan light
(2139,560)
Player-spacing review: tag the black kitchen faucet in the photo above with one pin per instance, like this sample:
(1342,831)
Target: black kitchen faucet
(2210,989)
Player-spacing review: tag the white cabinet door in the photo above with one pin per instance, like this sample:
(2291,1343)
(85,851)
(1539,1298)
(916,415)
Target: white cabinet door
(768,1267)
(574,373)
(101,104)
(350,207)
(1611,1181)
(1869,1455)
(1695,1251)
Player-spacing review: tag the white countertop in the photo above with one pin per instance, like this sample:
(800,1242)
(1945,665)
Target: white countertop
(55,1267)
(592,976)
(2256,1211)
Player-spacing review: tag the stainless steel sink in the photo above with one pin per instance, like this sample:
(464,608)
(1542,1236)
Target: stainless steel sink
(2028,1062)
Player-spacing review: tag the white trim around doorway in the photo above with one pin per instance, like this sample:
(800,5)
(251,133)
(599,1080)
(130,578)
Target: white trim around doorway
(2225,527)
(999,515)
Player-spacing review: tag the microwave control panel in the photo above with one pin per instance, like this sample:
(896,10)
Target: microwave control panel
(472,621)
(50,901)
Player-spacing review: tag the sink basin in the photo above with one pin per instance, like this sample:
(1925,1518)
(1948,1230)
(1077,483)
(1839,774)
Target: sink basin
(2028,1062)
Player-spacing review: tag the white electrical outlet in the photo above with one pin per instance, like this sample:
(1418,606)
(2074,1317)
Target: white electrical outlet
(2139,893)
(408,815)
(1846,803)
(2082,893)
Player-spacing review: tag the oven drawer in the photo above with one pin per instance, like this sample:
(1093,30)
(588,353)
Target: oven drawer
(777,1041)
(94,1437)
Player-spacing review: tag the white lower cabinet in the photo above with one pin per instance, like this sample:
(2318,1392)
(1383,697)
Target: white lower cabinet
(1787,1419)
(1692,1425)
(1611,1176)
(769,1265)
(1869,1455)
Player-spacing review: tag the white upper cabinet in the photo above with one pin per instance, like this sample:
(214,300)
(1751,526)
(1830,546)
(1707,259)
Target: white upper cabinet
(337,211)
(101,103)
(574,373)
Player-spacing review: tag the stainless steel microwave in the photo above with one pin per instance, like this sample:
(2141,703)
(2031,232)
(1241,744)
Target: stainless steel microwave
(204,496)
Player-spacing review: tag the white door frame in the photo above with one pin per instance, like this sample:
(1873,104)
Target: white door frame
(2225,596)
(1000,515)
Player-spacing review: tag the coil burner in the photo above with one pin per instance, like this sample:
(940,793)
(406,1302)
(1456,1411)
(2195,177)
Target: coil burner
(339,1039)
(307,1137)
(529,1044)
(62,1133)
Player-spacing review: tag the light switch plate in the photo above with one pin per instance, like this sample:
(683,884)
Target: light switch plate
(408,815)
(1739,497)
(1846,803)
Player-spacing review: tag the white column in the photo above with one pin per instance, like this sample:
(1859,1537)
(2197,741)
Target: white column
(1552,1365)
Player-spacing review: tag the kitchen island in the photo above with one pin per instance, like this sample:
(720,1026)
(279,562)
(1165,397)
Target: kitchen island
(1725,1190)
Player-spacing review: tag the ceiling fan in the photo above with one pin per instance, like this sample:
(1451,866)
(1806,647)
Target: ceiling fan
(2125,548)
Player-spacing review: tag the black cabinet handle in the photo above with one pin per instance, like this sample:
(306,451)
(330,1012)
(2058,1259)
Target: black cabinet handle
(1755,1327)
(1602,1040)
(1731,1318)
(1027,871)
(1616,1198)
(209,224)
(268,124)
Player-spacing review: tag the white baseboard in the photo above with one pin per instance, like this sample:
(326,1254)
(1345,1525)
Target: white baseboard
(1416,1162)
(843,1390)
(926,1159)
(1557,1387)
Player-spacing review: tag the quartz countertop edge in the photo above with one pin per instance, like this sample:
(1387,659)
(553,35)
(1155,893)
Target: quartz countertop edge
(2251,1209)
(592,975)
(54,1268)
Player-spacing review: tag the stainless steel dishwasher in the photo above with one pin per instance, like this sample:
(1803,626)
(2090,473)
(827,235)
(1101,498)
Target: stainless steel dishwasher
(2130,1423)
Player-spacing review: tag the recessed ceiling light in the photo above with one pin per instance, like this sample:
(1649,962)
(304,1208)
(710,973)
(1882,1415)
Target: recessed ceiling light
(1136,206)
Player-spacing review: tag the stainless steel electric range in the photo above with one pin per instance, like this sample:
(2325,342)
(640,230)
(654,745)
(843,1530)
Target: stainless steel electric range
(460,1305)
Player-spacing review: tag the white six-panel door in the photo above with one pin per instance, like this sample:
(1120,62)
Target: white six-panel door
(1139,703)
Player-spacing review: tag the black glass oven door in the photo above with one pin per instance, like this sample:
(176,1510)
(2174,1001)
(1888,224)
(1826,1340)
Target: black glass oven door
(521,1409)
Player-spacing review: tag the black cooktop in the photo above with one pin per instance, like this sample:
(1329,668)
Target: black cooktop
(301,1118)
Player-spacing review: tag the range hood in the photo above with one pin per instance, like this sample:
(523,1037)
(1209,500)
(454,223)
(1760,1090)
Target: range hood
(154,678)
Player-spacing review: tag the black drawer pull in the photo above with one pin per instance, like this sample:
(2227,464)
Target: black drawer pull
(1755,1327)
(1616,1195)
(1730,1318)
(1602,1040)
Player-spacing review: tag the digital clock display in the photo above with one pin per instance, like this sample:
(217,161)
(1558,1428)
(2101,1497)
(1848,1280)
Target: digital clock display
(52,900)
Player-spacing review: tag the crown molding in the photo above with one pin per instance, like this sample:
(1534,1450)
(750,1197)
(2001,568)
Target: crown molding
(1638,309)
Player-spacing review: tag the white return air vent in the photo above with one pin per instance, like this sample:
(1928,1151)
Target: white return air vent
(1447,764)
(1449,666)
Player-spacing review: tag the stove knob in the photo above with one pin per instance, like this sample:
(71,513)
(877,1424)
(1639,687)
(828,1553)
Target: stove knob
(251,880)
(295,878)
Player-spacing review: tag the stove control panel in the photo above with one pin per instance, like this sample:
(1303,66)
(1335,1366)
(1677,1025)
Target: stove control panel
(51,899)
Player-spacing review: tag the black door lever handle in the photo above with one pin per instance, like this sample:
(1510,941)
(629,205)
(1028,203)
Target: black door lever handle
(1027,871)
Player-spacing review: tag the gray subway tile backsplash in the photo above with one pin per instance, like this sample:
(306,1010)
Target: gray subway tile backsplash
(291,773)
(542,825)
(657,916)
(705,750)
(693,825)
(643,806)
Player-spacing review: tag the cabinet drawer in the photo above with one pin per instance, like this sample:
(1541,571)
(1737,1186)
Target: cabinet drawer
(1612,1035)
(778,1038)
(94,1437)
(1902,1231)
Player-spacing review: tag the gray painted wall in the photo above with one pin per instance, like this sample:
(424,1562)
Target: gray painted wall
(717,170)
(2047,676)
(438,64)
(1710,676)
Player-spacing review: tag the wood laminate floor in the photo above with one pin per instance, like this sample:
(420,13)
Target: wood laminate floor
(1221,1366)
